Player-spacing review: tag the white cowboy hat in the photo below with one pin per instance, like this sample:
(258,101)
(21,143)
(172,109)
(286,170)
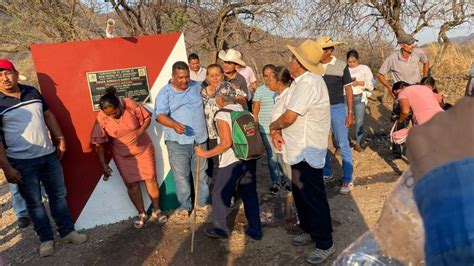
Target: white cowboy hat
(309,53)
(233,56)
(326,41)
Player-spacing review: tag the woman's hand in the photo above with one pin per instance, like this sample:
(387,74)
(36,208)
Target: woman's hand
(200,152)
(138,133)
(107,172)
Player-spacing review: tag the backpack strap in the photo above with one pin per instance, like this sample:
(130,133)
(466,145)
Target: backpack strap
(223,110)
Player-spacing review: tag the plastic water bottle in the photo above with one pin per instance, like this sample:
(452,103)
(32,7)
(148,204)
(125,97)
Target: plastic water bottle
(398,236)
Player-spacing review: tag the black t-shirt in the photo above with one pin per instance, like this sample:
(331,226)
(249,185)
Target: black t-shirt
(336,77)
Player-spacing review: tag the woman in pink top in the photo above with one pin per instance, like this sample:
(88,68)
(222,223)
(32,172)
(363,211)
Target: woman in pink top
(123,124)
(420,99)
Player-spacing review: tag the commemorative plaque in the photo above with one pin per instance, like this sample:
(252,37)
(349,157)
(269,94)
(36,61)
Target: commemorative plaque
(130,83)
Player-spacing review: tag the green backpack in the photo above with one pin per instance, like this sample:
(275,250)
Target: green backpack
(246,140)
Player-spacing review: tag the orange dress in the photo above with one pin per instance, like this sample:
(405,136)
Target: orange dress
(135,158)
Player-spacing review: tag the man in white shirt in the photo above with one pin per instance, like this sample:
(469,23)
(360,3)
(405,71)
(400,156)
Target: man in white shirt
(304,128)
(196,73)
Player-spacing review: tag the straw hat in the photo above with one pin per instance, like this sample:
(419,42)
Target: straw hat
(309,53)
(233,56)
(326,41)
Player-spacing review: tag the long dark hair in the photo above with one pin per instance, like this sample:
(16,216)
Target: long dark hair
(109,99)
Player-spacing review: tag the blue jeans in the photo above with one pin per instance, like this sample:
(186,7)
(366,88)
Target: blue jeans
(359,111)
(444,197)
(183,162)
(338,128)
(271,157)
(47,170)
(18,203)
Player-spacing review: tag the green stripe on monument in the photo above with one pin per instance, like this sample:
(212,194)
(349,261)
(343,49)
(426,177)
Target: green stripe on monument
(168,198)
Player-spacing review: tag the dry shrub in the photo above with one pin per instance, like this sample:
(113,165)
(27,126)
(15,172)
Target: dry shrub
(452,72)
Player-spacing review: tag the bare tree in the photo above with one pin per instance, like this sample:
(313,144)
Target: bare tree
(143,17)
(234,23)
(25,22)
(457,13)
(380,19)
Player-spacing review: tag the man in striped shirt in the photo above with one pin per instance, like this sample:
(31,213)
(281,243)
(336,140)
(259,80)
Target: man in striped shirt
(28,157)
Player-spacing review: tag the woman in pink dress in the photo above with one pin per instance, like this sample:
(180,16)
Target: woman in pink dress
(122,124)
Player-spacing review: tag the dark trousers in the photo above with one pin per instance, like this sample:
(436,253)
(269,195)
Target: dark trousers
(47,170)
(311,203)
(239,175)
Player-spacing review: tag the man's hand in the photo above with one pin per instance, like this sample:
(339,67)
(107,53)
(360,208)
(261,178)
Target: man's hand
(61,148)
(179,128)
(447,137)
(349,120)
(12,175)
(200,152)
(277,140)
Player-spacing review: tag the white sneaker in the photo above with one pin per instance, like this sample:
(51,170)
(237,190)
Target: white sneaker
(346,188)
(302,240)
(320,255)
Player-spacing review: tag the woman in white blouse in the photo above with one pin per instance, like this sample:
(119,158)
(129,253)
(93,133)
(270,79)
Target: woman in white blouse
(361,86)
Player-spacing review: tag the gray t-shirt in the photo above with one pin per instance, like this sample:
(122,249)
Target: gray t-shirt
(404,70)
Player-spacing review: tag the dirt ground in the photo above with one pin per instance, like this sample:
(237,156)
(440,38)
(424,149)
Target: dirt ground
(375,172)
